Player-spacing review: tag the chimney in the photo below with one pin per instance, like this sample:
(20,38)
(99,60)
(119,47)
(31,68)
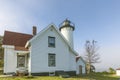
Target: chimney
(34,30)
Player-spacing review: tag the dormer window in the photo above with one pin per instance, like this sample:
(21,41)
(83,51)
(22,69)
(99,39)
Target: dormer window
(51,41)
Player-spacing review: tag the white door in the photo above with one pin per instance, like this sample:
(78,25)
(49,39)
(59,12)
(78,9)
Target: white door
(21,63)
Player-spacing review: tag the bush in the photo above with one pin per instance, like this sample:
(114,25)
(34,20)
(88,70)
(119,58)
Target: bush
(111,71)
(104,72)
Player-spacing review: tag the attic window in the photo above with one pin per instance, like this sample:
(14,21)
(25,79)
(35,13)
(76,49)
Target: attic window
(51,41)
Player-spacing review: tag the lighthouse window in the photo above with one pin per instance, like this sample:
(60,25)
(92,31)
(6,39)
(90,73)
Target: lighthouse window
(51,41)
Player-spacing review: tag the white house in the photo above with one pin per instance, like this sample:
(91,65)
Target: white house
(51,50)
(118,72)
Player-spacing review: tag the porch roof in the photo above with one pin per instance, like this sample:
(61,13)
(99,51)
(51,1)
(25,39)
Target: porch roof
(16,39)
(20,48)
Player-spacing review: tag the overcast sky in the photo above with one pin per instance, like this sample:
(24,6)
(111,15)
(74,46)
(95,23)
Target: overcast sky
(93,19)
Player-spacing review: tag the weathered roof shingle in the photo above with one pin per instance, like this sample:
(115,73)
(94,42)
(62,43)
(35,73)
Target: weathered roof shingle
(17,39)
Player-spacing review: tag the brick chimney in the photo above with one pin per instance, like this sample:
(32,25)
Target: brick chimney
(34,30)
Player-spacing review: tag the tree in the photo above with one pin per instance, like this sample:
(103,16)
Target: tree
(91,56)
(111,70)
(1,52)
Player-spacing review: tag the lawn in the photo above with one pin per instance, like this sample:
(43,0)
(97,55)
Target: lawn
(97,76)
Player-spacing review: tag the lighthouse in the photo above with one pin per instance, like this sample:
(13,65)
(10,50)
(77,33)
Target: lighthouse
(67,28)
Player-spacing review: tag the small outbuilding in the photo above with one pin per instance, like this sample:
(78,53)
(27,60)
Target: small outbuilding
(81,66)
(118,72)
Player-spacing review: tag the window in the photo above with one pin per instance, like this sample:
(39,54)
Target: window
(51,41)
(20,61)
(51,60)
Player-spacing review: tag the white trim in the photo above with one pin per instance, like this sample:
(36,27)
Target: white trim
(22,52)
(8,46)
(81,59)
(25,68)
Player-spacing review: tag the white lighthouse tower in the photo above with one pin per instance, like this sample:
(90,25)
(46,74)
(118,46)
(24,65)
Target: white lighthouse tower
(67,29)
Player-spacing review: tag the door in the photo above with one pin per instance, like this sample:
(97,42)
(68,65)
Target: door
(21,64)
(21,61)
(80,69)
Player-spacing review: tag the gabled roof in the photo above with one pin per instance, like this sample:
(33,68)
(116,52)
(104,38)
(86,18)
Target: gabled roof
(21,48)
(17,39)
(79,57)
(57,30)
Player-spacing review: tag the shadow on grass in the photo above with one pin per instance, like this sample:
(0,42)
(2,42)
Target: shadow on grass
(98,76)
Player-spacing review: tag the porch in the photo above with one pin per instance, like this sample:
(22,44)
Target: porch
(22,62)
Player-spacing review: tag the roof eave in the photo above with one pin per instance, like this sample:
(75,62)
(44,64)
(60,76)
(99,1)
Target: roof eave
(27,44)
(76,54)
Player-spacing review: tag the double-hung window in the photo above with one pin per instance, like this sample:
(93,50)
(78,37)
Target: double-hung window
(51,41)
(51,60)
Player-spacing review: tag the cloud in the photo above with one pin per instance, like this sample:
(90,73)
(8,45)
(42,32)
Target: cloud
(7,21)
(21,15)
(16,16)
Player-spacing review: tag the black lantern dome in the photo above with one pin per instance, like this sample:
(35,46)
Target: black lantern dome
(67,23)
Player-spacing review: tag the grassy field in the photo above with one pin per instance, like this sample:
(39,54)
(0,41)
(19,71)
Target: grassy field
(97,76)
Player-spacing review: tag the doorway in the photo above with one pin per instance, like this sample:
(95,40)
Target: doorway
(80,69)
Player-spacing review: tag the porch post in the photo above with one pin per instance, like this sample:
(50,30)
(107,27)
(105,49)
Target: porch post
(29,63)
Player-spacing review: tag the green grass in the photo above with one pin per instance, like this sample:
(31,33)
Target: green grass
(95,76)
